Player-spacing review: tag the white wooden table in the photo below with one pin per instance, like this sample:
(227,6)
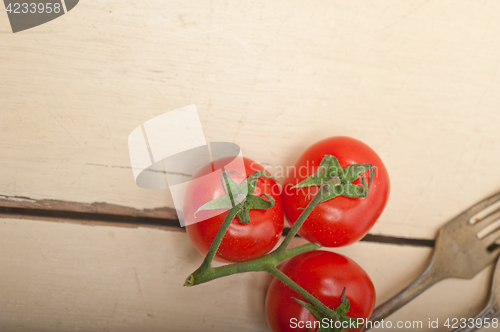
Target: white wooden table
(418,81)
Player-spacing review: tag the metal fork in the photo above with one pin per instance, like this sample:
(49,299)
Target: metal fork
(492,309)
(458,252)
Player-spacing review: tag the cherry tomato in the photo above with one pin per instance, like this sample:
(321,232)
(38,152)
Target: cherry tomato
(324,274)
(241,242)
(341,220)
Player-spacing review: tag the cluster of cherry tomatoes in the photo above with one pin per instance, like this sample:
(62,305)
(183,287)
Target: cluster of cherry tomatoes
(336,222)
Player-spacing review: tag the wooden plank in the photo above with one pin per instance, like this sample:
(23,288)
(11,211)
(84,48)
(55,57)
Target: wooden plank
(417,82)
(62,277)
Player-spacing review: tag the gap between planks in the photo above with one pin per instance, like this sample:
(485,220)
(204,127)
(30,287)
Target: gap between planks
(104,214)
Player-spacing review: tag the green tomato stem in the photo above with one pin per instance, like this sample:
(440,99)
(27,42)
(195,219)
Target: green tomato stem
(303,216)
(305,294)
(267,262)
(289,253)
(206,273)
(218,237)
(264,263)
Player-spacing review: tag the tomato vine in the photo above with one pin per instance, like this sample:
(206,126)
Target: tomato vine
(329,178)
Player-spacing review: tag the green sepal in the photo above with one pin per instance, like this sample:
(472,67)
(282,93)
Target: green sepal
(353,172)
(330,168)
(254,202)
(237,192)
(243,214)
(223,202)
(344,305)
(331,195)
(316,313)
(334,190)
(338,314)
(233,191)
(353,191)
(240,194)
(252,180)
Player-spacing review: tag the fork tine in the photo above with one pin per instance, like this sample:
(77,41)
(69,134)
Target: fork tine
(489,220)
(491,238)
(476,211)
(459,253)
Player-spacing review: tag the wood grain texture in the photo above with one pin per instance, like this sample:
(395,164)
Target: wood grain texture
(68,277)
(417,81)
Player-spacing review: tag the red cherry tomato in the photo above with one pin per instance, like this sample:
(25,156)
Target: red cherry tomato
(341,220)
(324,274)
(241,242)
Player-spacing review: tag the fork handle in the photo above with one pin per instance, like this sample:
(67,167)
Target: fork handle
(492,310)
(426,279)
